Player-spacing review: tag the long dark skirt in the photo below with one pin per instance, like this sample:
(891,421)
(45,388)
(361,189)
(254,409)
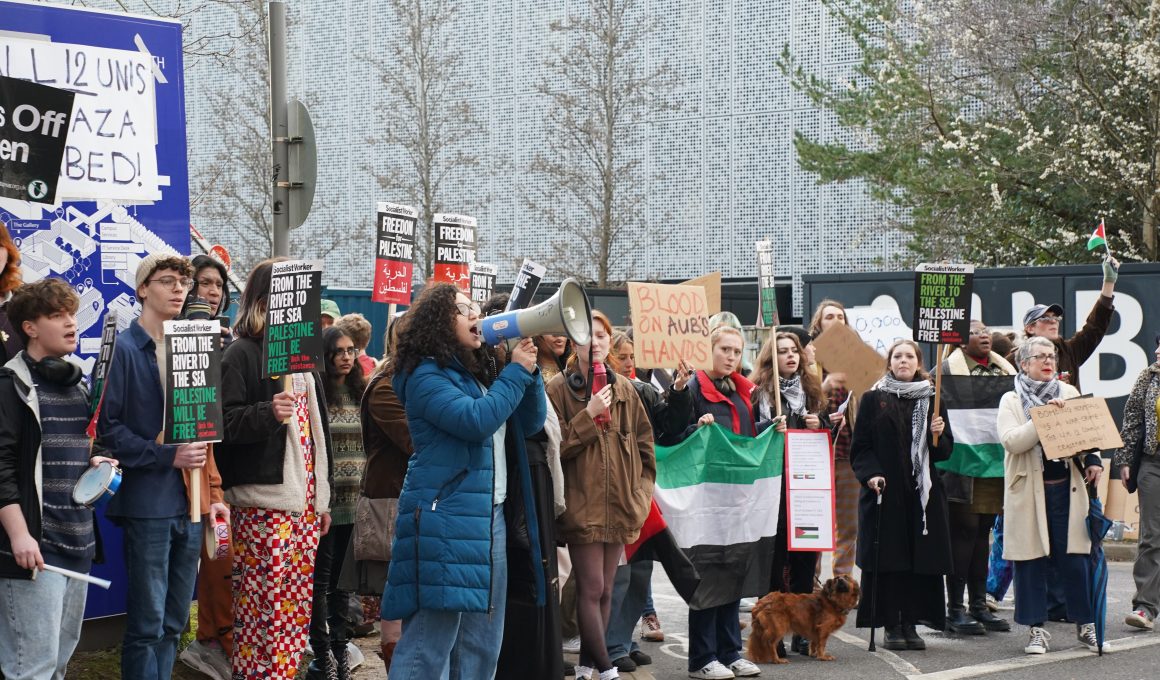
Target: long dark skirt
(903,597)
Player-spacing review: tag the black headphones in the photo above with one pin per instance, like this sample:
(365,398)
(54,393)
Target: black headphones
(578,381)
(57,371)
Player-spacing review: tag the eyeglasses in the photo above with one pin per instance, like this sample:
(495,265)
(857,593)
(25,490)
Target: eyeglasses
(1052,320)
(210,283)
(172,282)
(981,331)
(1044,357)
(468,310)
(348,351)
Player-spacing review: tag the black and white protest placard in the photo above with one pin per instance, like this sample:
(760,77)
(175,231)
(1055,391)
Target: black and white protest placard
(34,125)
(293,338)
(527,281)
(767,293)
(193,376)
(454,249)
(482,281)
(394,253)
(942,303)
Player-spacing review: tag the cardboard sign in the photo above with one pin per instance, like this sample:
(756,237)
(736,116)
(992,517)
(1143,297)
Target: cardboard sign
(879,326)
(34,125)
(454,250)
(394,253)
(293,339)
(840,350)
(942,303)
(767,297)
(809,475)
(193,378)
(712,286)
(527,281)
(669,323)
(482,281)
(1082,425)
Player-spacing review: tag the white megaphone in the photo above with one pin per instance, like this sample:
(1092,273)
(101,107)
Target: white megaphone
(565,313)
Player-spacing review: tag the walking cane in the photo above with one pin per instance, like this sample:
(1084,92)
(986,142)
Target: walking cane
(874,591)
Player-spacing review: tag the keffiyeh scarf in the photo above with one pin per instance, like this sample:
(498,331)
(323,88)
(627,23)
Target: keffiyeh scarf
(920,392)
(791,389)
(1034,393)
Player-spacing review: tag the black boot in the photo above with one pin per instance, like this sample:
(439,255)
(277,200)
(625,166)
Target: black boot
(957,619)
(893,638)
(322,667)
(911,638)
(800,645)
(341,660)
(980,612)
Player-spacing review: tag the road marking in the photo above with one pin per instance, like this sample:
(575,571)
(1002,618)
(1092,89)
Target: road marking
(896,662)
(1001,665)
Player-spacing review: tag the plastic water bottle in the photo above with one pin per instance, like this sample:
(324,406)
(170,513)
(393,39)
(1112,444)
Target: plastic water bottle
(599,380)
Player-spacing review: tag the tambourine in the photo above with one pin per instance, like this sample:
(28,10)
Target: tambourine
(97,485)
(217,538)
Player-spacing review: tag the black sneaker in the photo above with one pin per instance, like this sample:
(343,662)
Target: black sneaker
(640,658)
(892,638)
(624,664)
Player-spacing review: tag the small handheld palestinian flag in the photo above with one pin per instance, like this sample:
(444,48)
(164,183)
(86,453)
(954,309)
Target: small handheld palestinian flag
(1099,238)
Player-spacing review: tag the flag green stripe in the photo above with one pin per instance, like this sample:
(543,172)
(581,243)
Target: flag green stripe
(975,460)
(714,454)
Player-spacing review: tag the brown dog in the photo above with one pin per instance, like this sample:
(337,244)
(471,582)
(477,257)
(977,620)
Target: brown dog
(814,617)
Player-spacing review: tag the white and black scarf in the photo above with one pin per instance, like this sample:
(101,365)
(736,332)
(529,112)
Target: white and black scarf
(1034,393)
(794,395)
(920,391)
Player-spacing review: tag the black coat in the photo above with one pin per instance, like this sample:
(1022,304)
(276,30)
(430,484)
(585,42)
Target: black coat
(881,446)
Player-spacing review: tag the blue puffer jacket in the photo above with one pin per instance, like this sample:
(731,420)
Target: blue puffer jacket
(441,558)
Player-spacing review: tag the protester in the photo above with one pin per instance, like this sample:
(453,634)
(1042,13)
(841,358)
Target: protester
(1138,463)
(387,440)
(161,544)
(722,395)
(10,342)
(552,352)
(668,414)
(798,398)
(277,470)
(330,313)
(1045,504)
(609,470)
(999,570)
(359,329)
(449,569)
(210,652)
(730,319)
(973,504)
(44,410)
(1046,321)
(846,486)
(905,552)
(330,626)
(1002,343)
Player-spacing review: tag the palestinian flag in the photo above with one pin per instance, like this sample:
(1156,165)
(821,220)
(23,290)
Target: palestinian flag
(972,404)
(1098,237)
(657,543)
(719,493)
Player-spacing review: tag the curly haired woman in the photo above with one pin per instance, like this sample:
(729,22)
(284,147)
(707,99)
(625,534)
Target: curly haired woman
(10,343)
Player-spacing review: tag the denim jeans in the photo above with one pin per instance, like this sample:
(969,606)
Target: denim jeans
(714,634)
(40,623)
(442,645)
(161,572)
(630,590)
(1073,571)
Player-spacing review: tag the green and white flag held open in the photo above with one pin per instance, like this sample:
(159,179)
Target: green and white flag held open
(719,493)
(972,407)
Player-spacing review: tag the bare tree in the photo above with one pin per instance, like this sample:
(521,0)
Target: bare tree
(600,95)
(425,117)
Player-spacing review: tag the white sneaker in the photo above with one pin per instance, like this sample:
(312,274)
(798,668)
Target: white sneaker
(744,668)
(1038,642)
(208,659)
(584,673)
(610,674)
(1139,618)
(714,670)
(992,603)
(1087,635)
(747,604)
(572,645)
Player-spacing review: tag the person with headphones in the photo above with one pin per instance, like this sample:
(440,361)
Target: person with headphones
(44,410)
(609,470)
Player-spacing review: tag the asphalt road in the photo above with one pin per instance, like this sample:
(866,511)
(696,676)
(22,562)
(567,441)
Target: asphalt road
(948,656)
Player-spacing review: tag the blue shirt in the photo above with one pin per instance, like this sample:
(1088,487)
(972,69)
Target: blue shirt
(132,415)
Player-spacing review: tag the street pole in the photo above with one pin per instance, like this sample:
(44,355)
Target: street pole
(278,128)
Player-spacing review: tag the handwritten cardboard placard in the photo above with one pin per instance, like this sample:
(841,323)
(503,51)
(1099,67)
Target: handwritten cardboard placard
(1081,425)
(841,350)
(669,323)
(394,253)
(942,303)
(712,285)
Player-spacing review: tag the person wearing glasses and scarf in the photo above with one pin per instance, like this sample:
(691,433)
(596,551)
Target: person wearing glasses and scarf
(893,454)
(1045,503)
